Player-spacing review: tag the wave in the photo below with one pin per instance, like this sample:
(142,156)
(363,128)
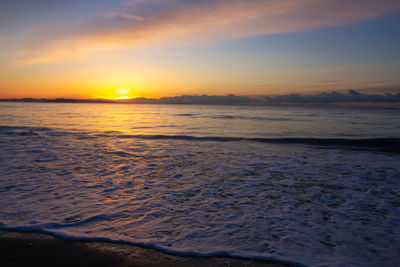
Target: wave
(150,245)
(25,128)
(239,117)
(27,131)
(384,144)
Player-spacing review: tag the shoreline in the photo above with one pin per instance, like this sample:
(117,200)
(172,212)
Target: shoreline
(34,248)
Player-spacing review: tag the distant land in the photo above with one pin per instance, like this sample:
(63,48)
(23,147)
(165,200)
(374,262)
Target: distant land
(350,98)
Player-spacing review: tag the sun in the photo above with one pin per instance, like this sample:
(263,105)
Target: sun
(122,93)
(123,97)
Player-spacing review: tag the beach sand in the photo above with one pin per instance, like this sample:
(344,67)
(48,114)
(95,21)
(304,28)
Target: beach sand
(30,249)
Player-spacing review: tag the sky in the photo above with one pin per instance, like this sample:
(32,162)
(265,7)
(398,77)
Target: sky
(161,48)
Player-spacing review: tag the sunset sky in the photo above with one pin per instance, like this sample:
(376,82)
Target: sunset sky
(156,48)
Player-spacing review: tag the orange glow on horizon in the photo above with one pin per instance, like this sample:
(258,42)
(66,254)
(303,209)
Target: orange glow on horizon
(123,97)
(121,93)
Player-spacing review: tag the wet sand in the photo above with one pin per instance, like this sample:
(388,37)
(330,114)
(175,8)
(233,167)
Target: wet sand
(30,249)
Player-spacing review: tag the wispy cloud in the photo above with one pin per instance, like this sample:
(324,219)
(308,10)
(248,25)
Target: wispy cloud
(178,21)
(334,97)
(352,96)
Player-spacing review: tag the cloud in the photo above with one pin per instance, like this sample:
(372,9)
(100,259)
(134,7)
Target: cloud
(146,22)
(211,100)
(352,96)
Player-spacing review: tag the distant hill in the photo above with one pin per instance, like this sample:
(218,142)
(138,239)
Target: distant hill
(333,98)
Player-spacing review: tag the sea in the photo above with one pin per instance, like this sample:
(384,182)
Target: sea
(311,186)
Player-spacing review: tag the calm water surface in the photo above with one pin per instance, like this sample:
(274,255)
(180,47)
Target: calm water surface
(205,120)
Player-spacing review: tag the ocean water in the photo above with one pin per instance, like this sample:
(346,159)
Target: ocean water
(311,186)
